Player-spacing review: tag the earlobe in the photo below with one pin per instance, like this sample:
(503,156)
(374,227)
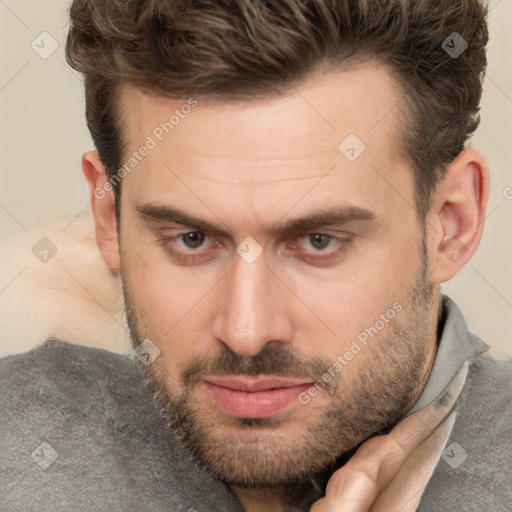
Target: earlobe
(102,202)
(457,219)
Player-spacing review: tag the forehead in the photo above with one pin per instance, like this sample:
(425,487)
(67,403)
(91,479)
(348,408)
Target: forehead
(262,150)
(362,100)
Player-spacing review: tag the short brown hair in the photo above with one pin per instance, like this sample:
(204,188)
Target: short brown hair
(246,49)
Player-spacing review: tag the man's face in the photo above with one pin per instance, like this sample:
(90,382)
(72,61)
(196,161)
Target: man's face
(248,317)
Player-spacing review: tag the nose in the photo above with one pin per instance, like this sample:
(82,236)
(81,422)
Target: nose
(252,308)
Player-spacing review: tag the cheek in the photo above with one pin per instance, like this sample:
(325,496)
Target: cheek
(343,302)
(171,315)
(169,302)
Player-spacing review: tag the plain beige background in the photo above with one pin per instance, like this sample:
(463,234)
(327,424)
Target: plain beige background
(43,135)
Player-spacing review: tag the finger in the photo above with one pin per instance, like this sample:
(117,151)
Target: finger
(357,485)
(382,456)
(378,460)
(406,487)
(351,492)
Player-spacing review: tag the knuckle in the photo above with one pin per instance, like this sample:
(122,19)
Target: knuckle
(393,446)
(355,479)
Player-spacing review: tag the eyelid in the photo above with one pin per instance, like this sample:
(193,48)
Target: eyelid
(177,236)
(325,257)
(318,258)
(300,234)
(188,257)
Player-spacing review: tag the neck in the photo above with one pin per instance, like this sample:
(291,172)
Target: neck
(431,351)
(287,497)
(261,500)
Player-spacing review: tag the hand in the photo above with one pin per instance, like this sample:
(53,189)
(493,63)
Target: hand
(389,473)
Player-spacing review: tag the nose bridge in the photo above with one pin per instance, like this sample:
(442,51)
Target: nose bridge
(248,298)
(248,316)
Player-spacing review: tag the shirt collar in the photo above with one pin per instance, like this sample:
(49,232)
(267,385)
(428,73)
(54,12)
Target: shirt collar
(456,345)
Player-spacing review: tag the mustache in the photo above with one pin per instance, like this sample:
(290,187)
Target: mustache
(270,361)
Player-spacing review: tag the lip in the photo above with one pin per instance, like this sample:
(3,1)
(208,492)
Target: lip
(259,397)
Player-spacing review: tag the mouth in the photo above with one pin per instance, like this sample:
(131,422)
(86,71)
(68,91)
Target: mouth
(259,397)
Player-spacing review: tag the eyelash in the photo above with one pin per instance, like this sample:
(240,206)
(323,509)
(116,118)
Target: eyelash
(196,255)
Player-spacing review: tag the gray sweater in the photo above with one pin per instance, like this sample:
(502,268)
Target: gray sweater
(80,431)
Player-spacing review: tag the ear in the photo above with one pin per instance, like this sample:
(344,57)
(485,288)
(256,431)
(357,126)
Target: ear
(456,219)
(103,208)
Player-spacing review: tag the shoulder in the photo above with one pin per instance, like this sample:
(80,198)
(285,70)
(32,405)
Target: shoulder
(485,408)
(487,394)
(479,476)
(55,353)
(65,378)
(60,404)
(484,418)
(474,474)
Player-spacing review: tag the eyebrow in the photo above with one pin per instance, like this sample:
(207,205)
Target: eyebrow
(322,217)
